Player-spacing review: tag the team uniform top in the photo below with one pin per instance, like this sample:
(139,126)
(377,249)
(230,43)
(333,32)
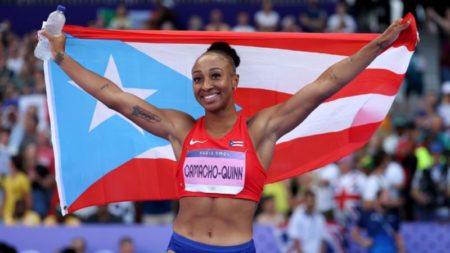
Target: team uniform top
(227,167)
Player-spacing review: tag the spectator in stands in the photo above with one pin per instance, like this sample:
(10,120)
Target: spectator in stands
(394,177)
(15,58)
(6,33)
(382,229)
(5,77)
(157,212)
(307,227)
(126,245)
(281,195)
(395,180)
(215,22)
(5,158)
(168,26)
(25,80)
(120,21)
(314,18)
(98,22)
(288,24)
(39,83)
(269,215)
(30,123)
(444,24)
(429,124)
(267,19)
(103,215)
(243,23)
(22,215)
(374,15)
(376,182)
(323,184)
(444,106)
(299,185)
(433,131)
(341,21)
(56,218)
(429,186)
(16,186)
(349,187)
(78,244)
(162,16)
(125,210)
(415,74)
(2,200)
(405,155)
(195,23)
(41,180)
(11,121)
(45,155)
(5,154)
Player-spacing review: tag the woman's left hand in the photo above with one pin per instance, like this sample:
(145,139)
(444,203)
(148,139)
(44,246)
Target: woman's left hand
(391,33)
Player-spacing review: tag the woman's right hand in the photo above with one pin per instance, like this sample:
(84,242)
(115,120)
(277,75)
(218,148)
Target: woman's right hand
(57,43)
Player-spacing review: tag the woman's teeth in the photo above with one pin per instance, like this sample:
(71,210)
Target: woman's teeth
(210,98)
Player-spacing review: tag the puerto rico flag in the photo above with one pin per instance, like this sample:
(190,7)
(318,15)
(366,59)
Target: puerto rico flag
(102,157)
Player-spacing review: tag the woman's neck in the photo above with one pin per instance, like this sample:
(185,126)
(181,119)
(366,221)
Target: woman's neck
(218,124)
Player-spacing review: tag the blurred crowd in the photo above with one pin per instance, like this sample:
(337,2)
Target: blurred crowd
(401,175)
(79,245)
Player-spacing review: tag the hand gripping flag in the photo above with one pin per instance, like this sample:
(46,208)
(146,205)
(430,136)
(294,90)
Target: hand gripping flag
(103,157)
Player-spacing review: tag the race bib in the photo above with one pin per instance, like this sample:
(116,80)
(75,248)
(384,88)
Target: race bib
(214,171)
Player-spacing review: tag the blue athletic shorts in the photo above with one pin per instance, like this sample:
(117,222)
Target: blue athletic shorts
(180,244)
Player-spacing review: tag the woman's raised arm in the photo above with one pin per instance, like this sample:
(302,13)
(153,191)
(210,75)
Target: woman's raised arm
(168,124)
(267,126)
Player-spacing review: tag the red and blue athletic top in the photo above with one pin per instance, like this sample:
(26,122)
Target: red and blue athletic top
(227,167)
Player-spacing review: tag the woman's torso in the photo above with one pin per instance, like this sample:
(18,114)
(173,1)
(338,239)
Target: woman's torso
(207,214)
(215,221)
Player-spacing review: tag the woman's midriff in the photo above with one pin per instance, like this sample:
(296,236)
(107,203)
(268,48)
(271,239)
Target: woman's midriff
(215,221)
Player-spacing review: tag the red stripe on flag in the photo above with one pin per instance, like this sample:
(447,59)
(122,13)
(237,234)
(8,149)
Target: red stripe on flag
(293,41)
(154,183)
(253,100)
(371,81)
(312,42)
(304,154)
(138,179)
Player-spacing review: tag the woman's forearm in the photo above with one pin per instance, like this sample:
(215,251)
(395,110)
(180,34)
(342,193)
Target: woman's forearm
(342,72)
(101,88)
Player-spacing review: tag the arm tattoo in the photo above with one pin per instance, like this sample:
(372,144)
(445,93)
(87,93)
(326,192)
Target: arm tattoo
(104,86)
(146,115)
(350,58)
(381,45)
(333,75)
(59,58)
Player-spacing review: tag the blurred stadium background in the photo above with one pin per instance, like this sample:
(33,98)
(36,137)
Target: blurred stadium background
(410,152)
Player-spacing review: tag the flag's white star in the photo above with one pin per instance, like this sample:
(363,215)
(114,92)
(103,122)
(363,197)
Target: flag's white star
(102,112)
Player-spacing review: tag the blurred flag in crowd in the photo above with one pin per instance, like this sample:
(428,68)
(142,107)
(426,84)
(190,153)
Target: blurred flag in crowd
(103,157)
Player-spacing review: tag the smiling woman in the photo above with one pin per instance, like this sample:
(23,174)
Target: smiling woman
(223,157)
(214,76)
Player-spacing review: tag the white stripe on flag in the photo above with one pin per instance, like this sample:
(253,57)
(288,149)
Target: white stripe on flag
(161,152)
(55,137)
(343,113)
(295,69)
